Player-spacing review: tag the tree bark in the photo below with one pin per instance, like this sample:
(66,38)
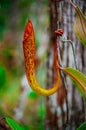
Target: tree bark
(62,15)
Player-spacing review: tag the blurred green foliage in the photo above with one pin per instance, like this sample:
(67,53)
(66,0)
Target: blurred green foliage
(4,12)
(14,125)
(42,112)
(2,76)
(33,95)
(13,17)
(17,12)
(7,52)
(24,3)
(8,9)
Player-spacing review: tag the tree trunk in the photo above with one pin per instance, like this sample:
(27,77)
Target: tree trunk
(64,109)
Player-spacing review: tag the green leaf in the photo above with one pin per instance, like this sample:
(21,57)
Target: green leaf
(78,78)
(80,26)
(78,87)
(14,125)
(82,126)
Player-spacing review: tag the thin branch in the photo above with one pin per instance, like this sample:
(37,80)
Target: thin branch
(63,40)
(72,4)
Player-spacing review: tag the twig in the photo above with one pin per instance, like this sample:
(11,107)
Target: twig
(65,84)
(72,4)
(63,40)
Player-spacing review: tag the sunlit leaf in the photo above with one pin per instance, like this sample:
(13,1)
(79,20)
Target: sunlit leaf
(80,26)
(82,126)
(78,78)
(14,125)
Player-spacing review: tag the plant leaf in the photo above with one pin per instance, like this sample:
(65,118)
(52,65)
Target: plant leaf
(14,125)
(78,78)
(82,126)
(80,26)
(78,86)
